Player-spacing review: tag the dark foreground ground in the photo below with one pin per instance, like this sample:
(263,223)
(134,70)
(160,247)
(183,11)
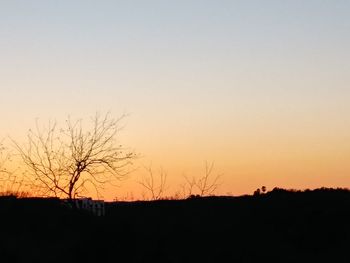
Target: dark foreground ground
(280,226)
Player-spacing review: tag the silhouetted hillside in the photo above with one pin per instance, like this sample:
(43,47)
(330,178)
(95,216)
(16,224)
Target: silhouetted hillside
(279,226)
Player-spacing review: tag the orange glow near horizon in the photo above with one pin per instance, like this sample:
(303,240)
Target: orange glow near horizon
(244,165)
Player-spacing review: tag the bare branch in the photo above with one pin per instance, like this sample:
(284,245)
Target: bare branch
(64,161)
(203,186)
(156,187)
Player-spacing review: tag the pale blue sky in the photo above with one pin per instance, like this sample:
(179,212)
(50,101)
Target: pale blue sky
(190,72)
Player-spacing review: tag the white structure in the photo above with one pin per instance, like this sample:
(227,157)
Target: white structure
(96,207)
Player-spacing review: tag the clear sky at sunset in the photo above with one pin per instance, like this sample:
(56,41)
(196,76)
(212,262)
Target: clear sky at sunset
(260,87)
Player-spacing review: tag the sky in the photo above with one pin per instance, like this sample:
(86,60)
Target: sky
(261,88)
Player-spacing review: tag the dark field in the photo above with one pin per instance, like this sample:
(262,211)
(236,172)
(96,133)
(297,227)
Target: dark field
(280,226)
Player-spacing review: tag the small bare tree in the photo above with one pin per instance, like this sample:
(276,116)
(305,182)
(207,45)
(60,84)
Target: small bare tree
(155,187)
(188,187)
(10,183)
(208,184)
(4,174)
(64,161)
(203,186)
(3,159)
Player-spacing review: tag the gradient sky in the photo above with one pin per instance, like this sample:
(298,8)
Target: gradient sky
(259,87)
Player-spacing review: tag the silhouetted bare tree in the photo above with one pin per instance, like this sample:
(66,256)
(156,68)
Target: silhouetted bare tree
(63,161)
(5,175)
(188,187)
(154,186)
(3,159)
(202,186)
(208,183)
(10,183)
